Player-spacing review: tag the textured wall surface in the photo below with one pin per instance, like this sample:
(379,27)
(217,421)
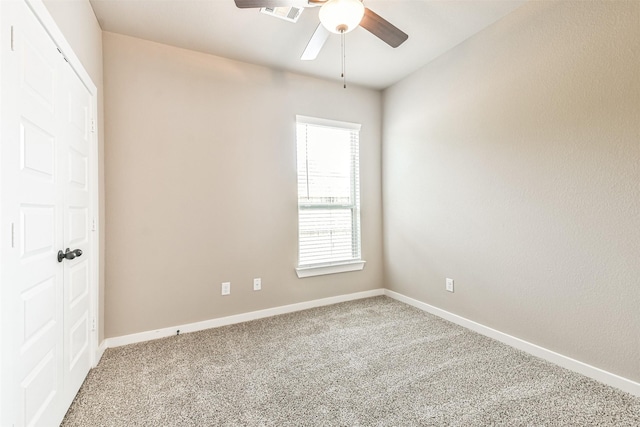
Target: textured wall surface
(512,165)
(202,186)
(80,27)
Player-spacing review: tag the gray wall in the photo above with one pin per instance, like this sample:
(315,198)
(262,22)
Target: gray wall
(512,165)
(76,20)
(201,185)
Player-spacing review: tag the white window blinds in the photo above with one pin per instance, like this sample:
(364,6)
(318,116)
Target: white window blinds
(328,192)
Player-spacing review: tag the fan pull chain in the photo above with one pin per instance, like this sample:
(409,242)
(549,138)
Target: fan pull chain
(344,60)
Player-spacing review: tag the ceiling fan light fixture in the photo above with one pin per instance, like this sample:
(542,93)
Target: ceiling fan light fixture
(341,16)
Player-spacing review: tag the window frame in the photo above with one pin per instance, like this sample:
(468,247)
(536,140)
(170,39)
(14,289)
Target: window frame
(345,265)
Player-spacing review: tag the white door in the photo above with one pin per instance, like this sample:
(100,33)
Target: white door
(76,120)
(46,206)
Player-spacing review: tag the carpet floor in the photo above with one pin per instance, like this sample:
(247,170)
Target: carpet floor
(371,362)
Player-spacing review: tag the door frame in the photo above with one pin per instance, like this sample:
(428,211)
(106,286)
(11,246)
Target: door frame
(46,20)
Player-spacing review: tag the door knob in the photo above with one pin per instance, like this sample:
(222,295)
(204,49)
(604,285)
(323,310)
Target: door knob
(69,254)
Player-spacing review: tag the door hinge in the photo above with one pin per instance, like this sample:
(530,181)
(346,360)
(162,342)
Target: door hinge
(94,224)
(93,324)
(12,48)
(63,57)
(13,238)
(93,125)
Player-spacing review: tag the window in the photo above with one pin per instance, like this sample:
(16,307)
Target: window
(328,197)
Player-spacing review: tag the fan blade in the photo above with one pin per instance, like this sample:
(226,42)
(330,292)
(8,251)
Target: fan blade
(383,29)
(319,37)
(246,4)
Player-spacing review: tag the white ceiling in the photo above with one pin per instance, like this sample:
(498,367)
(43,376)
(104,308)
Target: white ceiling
(219,28)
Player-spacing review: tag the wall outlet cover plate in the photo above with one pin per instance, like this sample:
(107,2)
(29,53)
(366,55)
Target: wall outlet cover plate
(449,285)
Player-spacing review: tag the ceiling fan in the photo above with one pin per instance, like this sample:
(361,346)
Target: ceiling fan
(338,17)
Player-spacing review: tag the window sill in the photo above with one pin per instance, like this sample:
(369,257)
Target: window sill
(345,267)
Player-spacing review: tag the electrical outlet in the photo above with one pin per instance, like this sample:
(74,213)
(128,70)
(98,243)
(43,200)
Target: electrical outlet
(226,288)
(449,285)
(257,284)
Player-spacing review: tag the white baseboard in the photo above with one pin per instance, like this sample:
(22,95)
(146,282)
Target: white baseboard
(597,374)
(238,318)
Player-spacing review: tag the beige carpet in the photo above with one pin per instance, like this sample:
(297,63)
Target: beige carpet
(372,362)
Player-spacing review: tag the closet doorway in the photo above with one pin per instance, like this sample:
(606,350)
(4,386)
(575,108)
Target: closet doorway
(48,157)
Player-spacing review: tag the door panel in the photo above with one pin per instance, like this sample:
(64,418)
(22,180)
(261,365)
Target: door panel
(40,389)
(77,204)
(37,277)
(39,313)
(77,226)
(37,231)
(78,342)
(38,74)
(78,164)
(37,150)
(78,283)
